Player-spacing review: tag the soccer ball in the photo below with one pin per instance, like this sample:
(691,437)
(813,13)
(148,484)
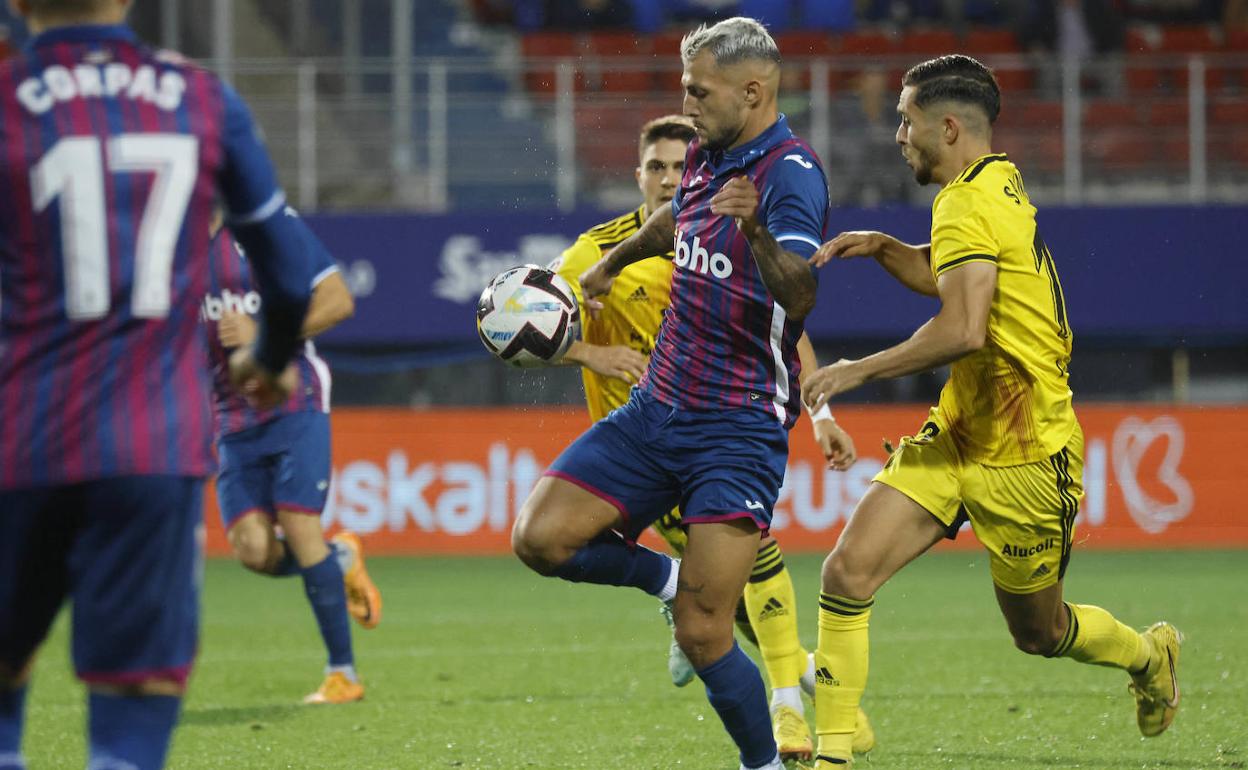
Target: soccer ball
(528,316)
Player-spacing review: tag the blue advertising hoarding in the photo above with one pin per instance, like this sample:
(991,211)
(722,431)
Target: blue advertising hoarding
(1161,274)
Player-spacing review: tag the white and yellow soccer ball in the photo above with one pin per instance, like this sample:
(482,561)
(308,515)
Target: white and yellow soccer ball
(528,316)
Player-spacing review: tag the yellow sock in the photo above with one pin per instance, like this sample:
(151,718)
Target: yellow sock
(772,605)
(840,672)
(1094,636)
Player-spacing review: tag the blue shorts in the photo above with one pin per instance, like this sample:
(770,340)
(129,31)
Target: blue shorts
(646,457)
(279,465)
(126,552)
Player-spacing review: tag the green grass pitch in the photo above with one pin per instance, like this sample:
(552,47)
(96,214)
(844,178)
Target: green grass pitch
(480,664)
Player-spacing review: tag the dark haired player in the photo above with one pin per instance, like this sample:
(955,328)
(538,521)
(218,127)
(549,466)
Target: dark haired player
(1003,447)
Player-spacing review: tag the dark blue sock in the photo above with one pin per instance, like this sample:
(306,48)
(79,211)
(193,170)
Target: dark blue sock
(328,597)
(131,729)
(288,565)
(735,689)
(610,561)
(12,711)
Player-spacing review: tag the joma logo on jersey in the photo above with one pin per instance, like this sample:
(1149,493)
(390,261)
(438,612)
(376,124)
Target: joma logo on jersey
(1019,551)
(212,308)
(694,257)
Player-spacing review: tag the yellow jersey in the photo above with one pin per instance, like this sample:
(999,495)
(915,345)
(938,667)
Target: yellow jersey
(632,311)
(1008,403)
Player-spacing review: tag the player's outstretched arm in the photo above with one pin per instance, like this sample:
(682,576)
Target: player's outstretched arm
(908,264)
(834,442)
(655,237)
(961,327)
(618,361)
(276,244)
(786,275)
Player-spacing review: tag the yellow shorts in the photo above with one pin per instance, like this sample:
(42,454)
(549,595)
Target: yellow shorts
(1023,514)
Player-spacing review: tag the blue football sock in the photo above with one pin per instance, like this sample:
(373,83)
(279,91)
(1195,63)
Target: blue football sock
(609,560)
(131,731)
(12,712)
(288,565)
(735,689)
(328,597)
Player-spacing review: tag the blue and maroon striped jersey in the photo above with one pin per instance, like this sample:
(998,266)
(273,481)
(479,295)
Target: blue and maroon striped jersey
(232,289)
(725,341)
(112,156)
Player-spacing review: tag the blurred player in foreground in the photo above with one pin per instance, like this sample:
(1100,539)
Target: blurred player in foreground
(275,463)
(1003,447)
(707,426)
(112,157)
(617,343)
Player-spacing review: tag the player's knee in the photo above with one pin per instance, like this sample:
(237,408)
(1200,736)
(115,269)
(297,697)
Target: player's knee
(1036,640)
(704,636)
(252,545)
(534,543)
(843,577)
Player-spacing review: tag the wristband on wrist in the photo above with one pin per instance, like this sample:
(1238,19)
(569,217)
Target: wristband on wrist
(822,413)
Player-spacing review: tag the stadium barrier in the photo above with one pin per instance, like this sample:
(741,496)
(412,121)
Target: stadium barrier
(451,481)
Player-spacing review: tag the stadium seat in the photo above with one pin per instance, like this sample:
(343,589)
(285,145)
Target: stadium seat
(985,40)
(867,46)
(540,75)
(633,75)
(1233,113)
(1032,114)
(1110,113)
(804,44)
(928,42)
(1188,39)
(1168,112)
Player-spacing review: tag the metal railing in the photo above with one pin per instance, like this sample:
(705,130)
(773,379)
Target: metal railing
(431,134)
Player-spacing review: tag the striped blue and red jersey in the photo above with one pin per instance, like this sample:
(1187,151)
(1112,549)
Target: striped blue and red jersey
(232,289)
(112,156)
(725,341)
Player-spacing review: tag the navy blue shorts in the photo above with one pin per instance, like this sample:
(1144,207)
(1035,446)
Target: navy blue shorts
(646,457)
(279,465)
(126,552)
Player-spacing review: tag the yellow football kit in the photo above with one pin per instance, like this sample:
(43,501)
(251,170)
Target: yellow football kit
(1002,447)
(632,310)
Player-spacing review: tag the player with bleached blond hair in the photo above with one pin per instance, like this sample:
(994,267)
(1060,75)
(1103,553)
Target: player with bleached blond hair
(706,428)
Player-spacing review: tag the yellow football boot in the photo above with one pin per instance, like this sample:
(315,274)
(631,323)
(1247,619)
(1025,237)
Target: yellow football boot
(363,598)
(792,734)
(1156,690)
(864,735)
(336,688)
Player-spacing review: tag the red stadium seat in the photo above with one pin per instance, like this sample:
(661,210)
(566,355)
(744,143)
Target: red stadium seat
(986,40)
(632,76)
(1105,113)
(1171,112)
(540,77)
(930,42)
(1031,114)
(1229,114)
(869,43)
(1237,39)
(1188,39)
(804,44)
(866,47)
